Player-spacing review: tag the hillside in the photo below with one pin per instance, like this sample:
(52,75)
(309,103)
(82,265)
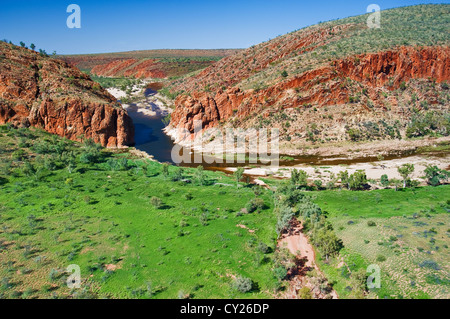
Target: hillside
(331,82)
(147,63)
(39,91)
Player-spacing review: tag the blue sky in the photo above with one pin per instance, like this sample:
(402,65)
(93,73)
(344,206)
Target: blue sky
(113,26)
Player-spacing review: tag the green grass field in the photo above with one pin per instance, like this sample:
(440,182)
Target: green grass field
(406,233)
(104,221)
(60,205)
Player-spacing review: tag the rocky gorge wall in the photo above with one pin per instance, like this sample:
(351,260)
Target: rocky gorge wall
(38,91)
(319,87)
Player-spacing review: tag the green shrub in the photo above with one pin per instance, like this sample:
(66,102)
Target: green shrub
(243,284)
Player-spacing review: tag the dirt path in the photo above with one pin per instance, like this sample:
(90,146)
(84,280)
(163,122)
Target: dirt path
(298,244)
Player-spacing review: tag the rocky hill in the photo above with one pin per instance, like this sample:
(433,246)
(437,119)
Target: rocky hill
(156,64)
(39,91)
(332,82)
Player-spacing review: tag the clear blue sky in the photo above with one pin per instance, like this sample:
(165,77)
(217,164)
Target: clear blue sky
(112,26)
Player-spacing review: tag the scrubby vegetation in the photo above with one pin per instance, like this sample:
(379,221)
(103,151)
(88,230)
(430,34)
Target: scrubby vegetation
(134,231)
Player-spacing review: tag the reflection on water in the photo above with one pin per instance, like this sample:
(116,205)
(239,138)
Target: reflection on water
(149,135)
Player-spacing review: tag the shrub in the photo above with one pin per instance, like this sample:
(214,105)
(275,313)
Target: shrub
(243,284)
(358,181)
(371,223)
(434,175)
(385,181)
(381,258)
(256,204)
(431,264)
(280,272)
(156,202)
(305,293)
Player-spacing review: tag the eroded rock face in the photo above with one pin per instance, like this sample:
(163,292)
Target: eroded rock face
(130,68)
(48,93)
(319,87)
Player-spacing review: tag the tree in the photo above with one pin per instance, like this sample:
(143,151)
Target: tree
(434,175)
(397,183)
(199,175)
(318,184)
(238,175)
(156,202)
(243,284)
(329,244)
(178,174)
(384,181)
(165,170)
(22,44)
(343,176)
(284,74)
(32,46)
(357,181)
(405,171)
(299,177)
(305,293)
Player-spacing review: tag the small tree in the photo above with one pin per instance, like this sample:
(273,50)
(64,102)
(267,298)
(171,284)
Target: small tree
(318,184)
(199,175)
(32,46)
(357,181)
(165,170)
(178,174)
(299,177)
(405,172)
(243,284)
(238,175)
(384,181)
(434,175)
(22,44)
(344,177)
(156,202)
(397,183)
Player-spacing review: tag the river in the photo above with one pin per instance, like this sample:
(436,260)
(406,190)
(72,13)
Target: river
(150,138)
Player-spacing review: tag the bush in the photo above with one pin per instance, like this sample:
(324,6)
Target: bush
(280,273)
(434,175)
(256,204)
(371,223)
(243,284)
(385,181)
(156,202)
(381,258)
(358,181)
(305,293)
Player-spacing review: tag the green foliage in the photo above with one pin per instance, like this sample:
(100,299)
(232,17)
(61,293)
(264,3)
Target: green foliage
(255,205)
(405,172)
(385,181)
(299,177)
(430,123)
(199,175)
(243,284)
(156,202)
(357,181)
(435,176)
(238,175)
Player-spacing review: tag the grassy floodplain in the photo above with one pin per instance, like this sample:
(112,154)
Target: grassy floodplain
(140,229)
(127,244)
(406,233)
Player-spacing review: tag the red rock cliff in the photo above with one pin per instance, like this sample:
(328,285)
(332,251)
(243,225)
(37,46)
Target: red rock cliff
(48,93)
(322,86)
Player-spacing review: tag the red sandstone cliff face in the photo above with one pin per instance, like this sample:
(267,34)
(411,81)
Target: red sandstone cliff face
(320,87)
(130,68)
(48,93)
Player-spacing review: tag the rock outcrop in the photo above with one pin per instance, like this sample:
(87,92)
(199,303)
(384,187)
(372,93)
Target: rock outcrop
(39,91)
(319,87)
